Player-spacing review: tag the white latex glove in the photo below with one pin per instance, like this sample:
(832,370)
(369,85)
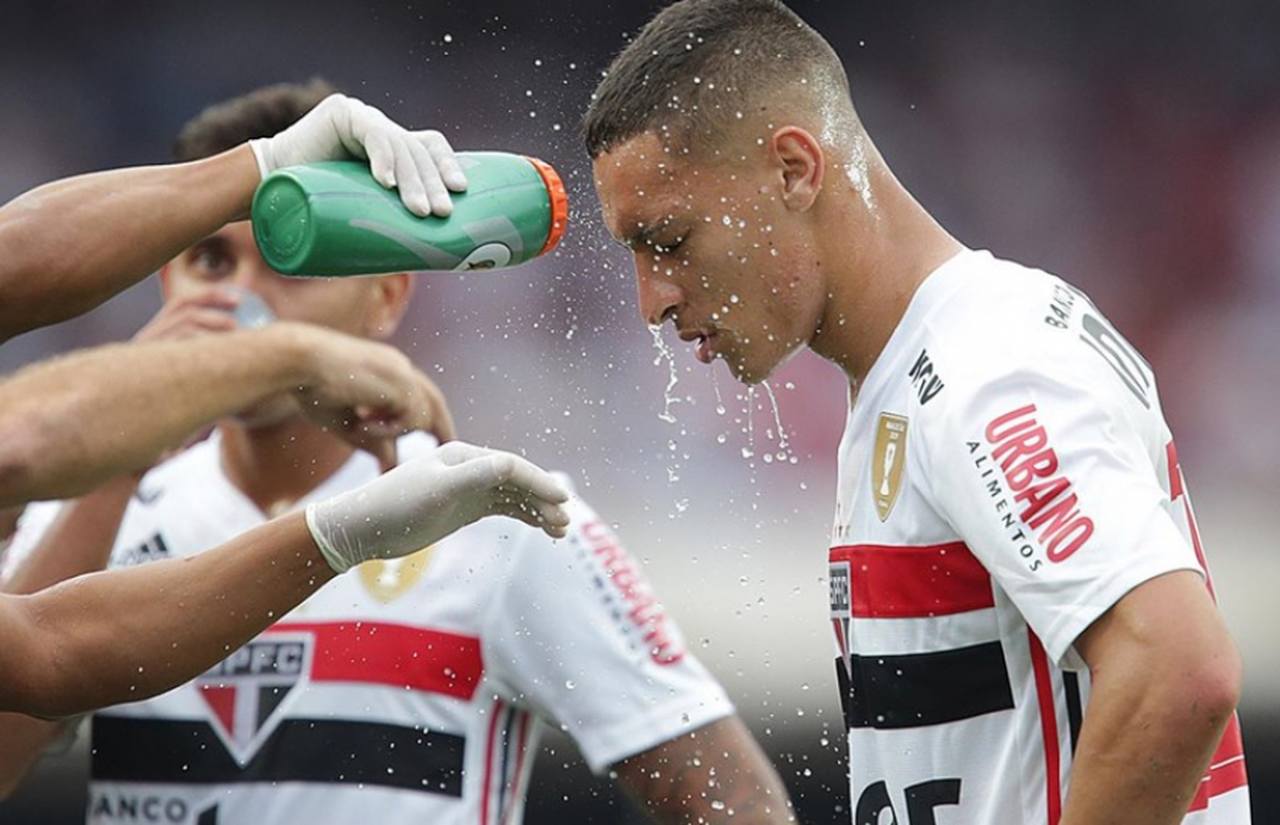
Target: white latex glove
(419,164)
(424,500)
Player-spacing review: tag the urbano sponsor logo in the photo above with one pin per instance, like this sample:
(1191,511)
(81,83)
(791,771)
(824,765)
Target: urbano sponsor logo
(1020,446)
(642,609)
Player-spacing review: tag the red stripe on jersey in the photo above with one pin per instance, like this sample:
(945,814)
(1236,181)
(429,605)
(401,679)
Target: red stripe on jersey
(1048,728)
(522,741)
(417,658)
(1175,471)
(897,582)
(1226,768)
(1177,487)
(485,786)
(841,642)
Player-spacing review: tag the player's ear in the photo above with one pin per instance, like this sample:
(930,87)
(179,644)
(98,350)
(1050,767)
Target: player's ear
(801,164)
(391,301)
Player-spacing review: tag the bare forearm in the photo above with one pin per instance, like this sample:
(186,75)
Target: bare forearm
(715,774)
(69,424)
(124,635)
(79,541)
(69,245)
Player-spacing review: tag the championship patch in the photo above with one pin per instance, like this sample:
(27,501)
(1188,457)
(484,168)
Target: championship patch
(388,580)
(246,692)
(888,462)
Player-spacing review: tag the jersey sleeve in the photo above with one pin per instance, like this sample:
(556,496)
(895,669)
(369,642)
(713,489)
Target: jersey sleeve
(1052,484)
(579,635)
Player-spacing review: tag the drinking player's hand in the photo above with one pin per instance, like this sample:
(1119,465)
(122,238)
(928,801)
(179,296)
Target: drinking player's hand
(197,314)
(424,500)
(421,165)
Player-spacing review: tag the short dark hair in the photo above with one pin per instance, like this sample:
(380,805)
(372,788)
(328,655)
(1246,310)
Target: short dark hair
(260,113)
(700,64)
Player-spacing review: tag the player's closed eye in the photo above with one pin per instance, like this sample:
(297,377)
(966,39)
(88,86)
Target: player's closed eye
(667,248)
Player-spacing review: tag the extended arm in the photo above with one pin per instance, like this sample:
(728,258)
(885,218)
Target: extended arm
(113,637)
(69,424)
(717,773)
(69,245)
(124,635)
(1165,681)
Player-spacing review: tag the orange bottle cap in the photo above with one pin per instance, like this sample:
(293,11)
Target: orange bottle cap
(559,203)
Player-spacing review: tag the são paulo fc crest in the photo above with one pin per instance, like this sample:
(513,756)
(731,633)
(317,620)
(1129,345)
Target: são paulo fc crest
(246,692)
(888,462)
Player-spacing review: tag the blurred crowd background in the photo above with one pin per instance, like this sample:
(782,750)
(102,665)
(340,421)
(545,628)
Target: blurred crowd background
(1132,148)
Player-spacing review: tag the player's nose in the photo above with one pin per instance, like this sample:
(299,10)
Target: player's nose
(659,297)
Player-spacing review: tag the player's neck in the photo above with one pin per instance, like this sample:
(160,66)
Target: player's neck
(883,254)
(274,466)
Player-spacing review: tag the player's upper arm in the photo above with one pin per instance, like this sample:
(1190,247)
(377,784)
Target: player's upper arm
(1051,485)
(580,633)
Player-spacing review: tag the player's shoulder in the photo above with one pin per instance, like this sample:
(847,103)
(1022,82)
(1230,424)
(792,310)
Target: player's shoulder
(995,321)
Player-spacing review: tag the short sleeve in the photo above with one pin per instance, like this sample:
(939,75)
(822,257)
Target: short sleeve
(1053,487)
(579,635)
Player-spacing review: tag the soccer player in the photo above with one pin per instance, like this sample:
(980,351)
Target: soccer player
(415,689)
(71,423)
(1026,627)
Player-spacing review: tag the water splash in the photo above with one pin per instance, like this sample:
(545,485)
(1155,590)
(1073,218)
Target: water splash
(750,450)
(783,453)
(665,353)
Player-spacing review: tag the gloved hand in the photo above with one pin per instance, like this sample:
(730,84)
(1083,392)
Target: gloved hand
(419,164)
(424,500)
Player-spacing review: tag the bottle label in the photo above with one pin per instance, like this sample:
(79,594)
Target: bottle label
(486,256)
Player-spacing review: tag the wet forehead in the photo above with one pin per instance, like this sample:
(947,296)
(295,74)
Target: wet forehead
(640,184)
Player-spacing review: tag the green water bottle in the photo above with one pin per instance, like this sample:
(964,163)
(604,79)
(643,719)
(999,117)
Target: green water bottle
(334,219)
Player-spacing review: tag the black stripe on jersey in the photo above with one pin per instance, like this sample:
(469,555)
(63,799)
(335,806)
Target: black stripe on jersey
(1071,683)
(300,750)
(920,689)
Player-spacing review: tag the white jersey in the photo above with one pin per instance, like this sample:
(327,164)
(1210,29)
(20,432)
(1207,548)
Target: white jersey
(403,692)
(1006,476)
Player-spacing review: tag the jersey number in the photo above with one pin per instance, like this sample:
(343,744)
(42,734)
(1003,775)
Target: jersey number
(1102,338)
(922,798)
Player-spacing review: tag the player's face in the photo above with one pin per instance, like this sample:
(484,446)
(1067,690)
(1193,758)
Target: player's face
(366,307)
(716,252)
(230,258)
